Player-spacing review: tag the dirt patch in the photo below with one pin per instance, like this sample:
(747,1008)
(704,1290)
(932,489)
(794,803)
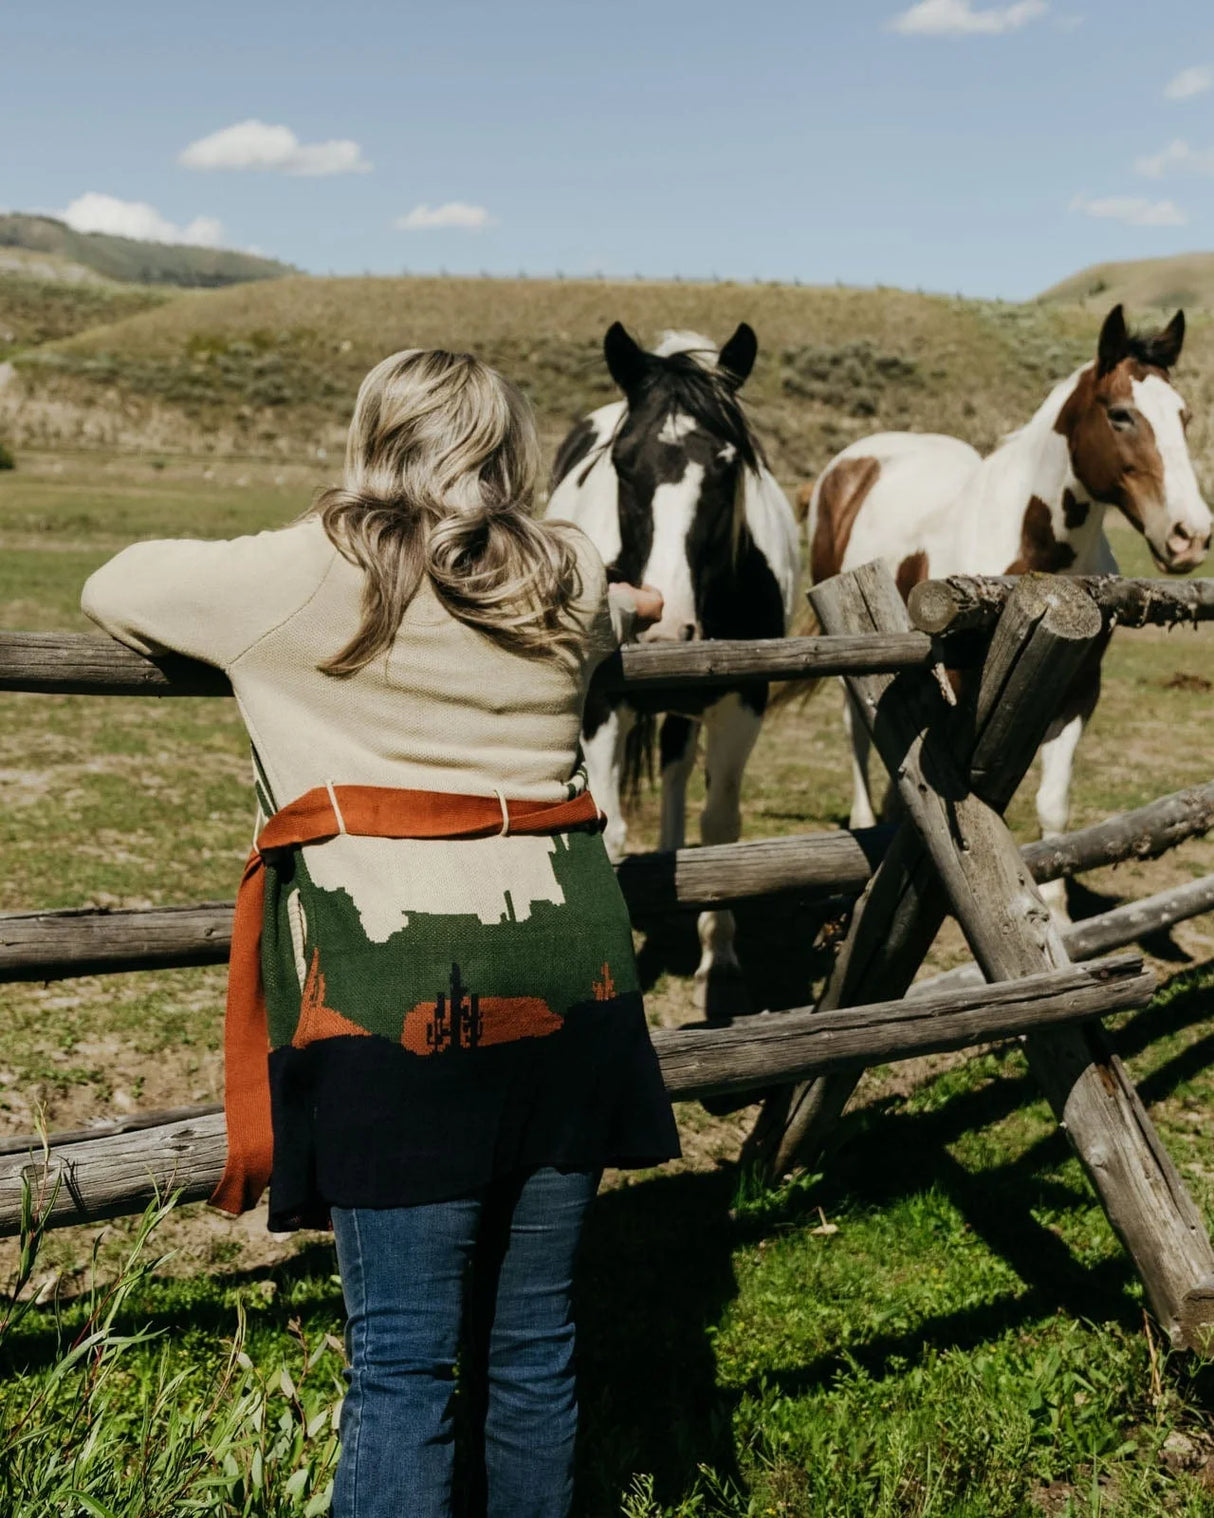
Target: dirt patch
(1183,680)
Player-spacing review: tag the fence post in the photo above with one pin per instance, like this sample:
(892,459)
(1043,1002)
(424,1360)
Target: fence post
(1011,934)
(1047,629)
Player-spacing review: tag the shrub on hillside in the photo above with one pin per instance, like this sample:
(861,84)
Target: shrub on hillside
(7,461)
(854,378)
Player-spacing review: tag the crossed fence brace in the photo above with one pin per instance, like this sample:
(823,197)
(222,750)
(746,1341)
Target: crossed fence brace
(955,770)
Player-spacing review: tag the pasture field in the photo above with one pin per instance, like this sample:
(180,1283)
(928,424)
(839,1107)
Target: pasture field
(941,1326)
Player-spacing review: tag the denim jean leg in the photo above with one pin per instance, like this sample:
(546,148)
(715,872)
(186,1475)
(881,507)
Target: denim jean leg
(403,1271)
(531,1421)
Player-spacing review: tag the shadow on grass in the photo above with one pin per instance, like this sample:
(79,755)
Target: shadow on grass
(778,941)
(657,1273)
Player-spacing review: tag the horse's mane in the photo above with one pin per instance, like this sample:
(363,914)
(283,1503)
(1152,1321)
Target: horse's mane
(686,380)
(1155,350)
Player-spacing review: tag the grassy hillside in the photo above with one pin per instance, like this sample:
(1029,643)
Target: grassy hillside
(125,258)
(273,368)
(35,265)
(39,303)
(1160,284)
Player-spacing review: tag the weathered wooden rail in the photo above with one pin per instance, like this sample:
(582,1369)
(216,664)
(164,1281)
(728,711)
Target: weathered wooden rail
(970,603)
(106,1176)
(82,664)
(102,940)
(955,768)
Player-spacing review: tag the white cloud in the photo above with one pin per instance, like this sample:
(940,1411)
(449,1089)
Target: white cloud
(1178,155)
(954,18)
(256,145)
(93,212)
(1134,210)
(1189,82)
(453,213)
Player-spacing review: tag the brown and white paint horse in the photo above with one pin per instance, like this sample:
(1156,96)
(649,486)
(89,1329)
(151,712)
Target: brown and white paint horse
(1113,434)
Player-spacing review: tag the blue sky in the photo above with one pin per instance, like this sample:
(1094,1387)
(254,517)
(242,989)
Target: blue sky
(989,147)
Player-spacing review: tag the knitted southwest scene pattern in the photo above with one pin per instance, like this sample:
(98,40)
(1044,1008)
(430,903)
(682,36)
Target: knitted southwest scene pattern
(463,1008)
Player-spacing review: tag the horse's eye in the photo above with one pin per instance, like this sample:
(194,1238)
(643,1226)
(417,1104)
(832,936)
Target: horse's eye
(1122,418)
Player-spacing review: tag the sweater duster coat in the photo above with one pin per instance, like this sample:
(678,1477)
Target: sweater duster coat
(439,1010)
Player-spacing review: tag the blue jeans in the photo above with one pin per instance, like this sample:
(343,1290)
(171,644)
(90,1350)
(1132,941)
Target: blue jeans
(498,1263)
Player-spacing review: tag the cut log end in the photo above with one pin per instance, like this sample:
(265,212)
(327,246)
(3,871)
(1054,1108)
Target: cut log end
(934,606)
(1069,612)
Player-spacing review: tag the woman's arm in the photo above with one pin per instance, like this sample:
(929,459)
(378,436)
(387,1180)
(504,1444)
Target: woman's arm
(611,614)
(633,608)
(208,600)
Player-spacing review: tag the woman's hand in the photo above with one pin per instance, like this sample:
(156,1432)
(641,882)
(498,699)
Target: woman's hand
(647,600)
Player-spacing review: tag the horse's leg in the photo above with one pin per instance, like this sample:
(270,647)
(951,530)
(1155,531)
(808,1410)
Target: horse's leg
(1057,762)
(1054,798)
(731,728)
(677,744)
(863,814)
(603,749)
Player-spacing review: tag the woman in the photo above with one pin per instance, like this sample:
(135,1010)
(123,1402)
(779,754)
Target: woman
(429,938)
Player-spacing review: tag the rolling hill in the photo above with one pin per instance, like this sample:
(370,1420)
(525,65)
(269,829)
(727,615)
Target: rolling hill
(135,262)
(271,369)
(1157,284)
(42,298)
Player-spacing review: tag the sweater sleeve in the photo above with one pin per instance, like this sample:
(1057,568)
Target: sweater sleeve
(623,612)
(607,613)
(210,600)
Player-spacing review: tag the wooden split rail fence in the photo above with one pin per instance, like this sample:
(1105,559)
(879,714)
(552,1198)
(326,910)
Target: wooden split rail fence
(955,766)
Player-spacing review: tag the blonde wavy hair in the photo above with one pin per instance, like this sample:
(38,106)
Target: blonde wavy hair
(442,460)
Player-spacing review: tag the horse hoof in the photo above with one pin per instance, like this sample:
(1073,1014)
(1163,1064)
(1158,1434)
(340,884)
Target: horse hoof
(721,993)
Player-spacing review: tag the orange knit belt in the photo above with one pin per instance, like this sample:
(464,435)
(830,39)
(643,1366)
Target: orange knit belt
(318,815)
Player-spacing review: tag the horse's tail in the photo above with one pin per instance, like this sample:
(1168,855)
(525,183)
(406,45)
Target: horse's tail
(639,746)
(783,692)
(803,499)
(804,623)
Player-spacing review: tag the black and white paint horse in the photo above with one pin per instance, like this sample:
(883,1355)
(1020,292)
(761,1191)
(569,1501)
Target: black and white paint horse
(671,486)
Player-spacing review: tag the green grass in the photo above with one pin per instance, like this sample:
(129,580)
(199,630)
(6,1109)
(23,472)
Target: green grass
(942,1326)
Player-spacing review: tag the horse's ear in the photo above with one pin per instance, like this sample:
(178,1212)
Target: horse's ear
(1165,349)
(738,355)
(626,359)
(1114,341)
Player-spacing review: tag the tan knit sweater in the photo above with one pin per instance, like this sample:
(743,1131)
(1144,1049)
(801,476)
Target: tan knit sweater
(445,709)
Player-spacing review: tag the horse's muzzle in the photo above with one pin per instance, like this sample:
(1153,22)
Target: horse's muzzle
(670,632)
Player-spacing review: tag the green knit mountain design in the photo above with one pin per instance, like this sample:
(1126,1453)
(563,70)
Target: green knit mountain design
(562,954)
